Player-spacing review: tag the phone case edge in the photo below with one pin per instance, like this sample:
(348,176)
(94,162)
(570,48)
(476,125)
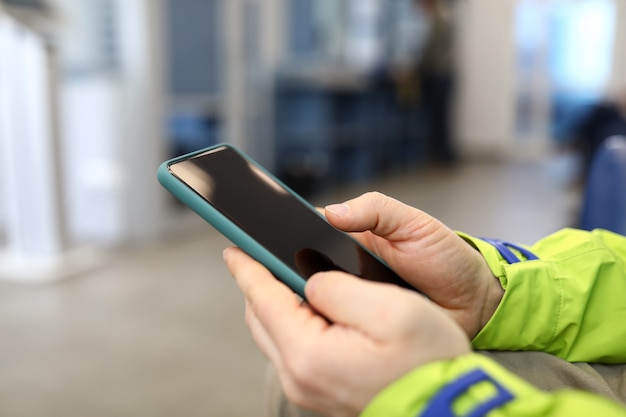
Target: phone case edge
(216,219)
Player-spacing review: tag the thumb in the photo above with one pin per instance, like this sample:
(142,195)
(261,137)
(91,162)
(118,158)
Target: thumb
(371,307)
(382,215)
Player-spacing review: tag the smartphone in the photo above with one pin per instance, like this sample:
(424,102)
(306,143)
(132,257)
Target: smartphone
(266,219)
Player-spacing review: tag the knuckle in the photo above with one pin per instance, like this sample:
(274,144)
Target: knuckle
(375,196)
(401,317)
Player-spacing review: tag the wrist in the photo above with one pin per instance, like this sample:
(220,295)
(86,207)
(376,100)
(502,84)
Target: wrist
(493,297)
(490,275)
(487,297)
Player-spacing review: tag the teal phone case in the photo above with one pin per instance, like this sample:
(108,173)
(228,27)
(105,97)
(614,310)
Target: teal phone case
(240,238)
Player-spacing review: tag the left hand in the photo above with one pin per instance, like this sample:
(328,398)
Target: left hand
(378,332)
(426,254)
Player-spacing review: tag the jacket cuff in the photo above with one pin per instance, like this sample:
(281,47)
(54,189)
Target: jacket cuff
(509,327)
(567,302)
(495,261)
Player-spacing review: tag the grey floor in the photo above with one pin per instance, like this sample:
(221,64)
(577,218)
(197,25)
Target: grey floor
(158,330)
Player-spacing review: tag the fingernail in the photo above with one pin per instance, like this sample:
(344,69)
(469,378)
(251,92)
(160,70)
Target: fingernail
(313,283)
(225,254)
(338,209)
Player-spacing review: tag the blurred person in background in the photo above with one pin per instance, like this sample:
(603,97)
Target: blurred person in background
(436,75)
(604,119)
(424,77)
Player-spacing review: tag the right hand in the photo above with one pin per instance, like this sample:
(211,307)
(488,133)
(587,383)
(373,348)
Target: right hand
(425,253)
(337,367)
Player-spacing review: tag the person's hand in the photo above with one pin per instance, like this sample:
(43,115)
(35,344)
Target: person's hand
(377,332)
(425,253)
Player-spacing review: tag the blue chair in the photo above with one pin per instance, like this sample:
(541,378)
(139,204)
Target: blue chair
(604,204)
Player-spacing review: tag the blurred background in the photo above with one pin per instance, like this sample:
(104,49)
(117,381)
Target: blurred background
(113,297)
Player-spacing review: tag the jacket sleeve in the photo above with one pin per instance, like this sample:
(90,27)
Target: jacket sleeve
(571,302)
(475,385)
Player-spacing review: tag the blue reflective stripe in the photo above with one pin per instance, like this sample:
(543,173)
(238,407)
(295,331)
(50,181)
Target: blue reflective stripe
(441,404)
(506,253)
(505,250)
(528,254)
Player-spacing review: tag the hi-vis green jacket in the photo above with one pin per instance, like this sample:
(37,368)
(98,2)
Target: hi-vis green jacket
(570,302)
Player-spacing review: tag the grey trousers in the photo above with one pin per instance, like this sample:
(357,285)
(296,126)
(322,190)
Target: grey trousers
(543,370)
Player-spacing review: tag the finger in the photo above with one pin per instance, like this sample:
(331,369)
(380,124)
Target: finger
(244,269)
(347,300)
(272,303)
(262,338)
(383,216)
(252,277)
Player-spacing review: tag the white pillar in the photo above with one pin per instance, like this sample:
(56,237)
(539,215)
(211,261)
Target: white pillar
(28,153)
(233,74)
(617,81)
(31,192)
(272,48)
(248,66)
(486,112)
(143,124)
(274,34)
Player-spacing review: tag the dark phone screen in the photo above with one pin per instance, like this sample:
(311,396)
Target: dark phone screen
(276,219)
